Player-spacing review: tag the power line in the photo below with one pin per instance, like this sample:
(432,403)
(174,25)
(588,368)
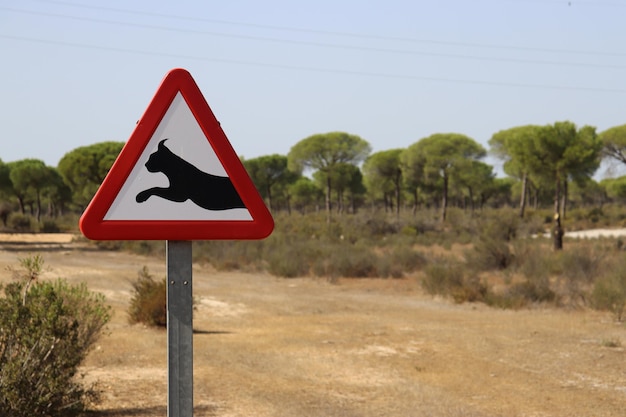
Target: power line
(337,33)
(311,69)
(319,44)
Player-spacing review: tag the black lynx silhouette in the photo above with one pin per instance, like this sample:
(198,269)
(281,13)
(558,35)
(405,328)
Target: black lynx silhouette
(189,183)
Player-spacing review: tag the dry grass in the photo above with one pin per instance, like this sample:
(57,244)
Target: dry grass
(305,347)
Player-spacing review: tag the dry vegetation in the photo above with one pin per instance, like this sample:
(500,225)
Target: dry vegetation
(268,346)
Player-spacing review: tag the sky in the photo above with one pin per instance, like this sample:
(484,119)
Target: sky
(274,72)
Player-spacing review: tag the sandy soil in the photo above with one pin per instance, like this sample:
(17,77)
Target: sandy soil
(265,346)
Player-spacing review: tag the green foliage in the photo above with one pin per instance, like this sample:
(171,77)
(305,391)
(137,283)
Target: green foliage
(46,331)
(324,151)
(271,177)
(383,177)
(614,143)
(439,160)
(83,169)
(327,153)
(615,188)
(305,194)
(31,178)
(148,303)
(6,186)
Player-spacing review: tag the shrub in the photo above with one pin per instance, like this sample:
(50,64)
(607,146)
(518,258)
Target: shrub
(20,222)
(50,226)
(531,291)
(448,278)
(580,266)
(489,253)
(5,212)
(290,262)
(491,250)
(148,304)
(532,259)
(442,277)
(609,292)
(406,258)
(232,255)
(348,261)
(46,331)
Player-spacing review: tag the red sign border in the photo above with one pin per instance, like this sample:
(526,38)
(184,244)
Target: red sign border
(92,223)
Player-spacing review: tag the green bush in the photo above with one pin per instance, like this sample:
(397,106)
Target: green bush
(148,303)
(46,331)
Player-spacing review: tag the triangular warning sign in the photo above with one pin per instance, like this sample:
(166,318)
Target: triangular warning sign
(177,177)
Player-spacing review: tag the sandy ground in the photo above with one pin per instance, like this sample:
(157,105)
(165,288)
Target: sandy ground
(265,346)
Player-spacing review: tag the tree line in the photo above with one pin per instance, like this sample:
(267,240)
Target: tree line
(338,173)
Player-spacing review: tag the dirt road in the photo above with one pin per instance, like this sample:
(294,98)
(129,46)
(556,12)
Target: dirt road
(305,347)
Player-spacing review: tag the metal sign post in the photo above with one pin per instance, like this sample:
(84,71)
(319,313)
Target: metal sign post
(210,196)
(179,329)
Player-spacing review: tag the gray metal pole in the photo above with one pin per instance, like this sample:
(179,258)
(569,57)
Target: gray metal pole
(179,329)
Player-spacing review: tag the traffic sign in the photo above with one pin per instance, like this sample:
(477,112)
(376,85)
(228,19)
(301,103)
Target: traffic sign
(177,177)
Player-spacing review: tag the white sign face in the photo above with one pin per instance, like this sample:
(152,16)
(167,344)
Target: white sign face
(166,190)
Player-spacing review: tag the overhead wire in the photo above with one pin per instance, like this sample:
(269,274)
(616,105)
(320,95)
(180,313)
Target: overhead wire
(316,44)
(308,43)
(332,33)
(312,69)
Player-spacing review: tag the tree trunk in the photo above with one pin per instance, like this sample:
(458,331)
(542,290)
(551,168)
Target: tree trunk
(557,233)
(269,197)
(564,200)
(22,205)
(328,189)
(444,200)
(471,198)
(522,200)
(398,197)
(38,207)
(414,202)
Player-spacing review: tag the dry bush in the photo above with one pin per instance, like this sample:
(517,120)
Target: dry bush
(580,265)
(448,278)
(609,291)
(148,301)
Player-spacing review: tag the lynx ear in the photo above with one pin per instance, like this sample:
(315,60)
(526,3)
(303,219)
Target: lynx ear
(161,144)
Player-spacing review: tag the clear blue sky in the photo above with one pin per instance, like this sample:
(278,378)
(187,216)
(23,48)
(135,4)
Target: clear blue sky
(78,72)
